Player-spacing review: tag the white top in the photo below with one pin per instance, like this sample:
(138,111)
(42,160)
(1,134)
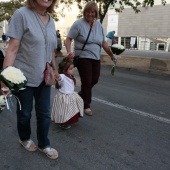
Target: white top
(67,84)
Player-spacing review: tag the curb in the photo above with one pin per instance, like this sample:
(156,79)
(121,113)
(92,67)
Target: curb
(142,64)
(138,64)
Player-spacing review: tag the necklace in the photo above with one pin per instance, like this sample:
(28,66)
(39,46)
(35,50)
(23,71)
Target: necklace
(45,14)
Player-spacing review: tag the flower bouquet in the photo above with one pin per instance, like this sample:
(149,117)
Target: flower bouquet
(13,78)
(117,49)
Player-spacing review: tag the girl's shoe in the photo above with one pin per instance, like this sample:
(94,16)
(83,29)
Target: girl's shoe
(65,126)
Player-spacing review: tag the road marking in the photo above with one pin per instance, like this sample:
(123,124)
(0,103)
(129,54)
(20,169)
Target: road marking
(158,118)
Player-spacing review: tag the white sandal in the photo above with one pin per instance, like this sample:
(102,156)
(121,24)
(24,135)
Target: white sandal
(50,152)
(29,145)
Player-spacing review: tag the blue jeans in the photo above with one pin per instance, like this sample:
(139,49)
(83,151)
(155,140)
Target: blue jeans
(41,95)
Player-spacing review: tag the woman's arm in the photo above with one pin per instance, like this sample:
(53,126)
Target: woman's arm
(53,63)
(68,48)
(108,51)
(11,52)
(10,58)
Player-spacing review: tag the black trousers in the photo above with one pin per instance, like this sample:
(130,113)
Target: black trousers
(89,71)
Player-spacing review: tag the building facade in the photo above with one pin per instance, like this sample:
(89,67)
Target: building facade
(146,30)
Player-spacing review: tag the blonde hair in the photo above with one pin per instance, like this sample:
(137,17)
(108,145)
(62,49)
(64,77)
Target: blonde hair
(91,6)
(33,3)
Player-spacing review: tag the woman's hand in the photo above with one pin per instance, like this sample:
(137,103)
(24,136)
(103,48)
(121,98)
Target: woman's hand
(114,58)
(68,47)
(71,55)
(56,75)
(109,52)
(5,90)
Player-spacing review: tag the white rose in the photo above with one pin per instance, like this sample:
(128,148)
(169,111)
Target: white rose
(13,75)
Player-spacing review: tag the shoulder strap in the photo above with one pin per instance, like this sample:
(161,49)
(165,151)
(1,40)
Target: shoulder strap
(87,37)
(42,33)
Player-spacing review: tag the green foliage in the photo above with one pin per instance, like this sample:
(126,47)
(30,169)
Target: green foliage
(118,5)
(8,8)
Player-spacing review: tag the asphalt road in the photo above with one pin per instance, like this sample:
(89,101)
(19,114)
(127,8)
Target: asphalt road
(130,129)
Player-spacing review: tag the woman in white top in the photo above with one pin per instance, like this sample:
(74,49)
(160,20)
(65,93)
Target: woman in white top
(68,106)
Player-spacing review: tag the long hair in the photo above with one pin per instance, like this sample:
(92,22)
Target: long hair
(33,3)
(64,65)
(91,5)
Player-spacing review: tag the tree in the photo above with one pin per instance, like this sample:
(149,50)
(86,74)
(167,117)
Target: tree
(118,5)
(8,8)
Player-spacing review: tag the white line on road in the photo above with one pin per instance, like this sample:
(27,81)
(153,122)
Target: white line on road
(158,118)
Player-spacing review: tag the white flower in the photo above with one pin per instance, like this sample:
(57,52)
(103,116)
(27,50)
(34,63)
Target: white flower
(2,100)
(118,46)
(13,75)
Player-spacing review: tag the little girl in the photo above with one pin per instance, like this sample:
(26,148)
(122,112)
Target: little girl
(68,106)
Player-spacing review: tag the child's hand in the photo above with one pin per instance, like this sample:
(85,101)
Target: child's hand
(57,77)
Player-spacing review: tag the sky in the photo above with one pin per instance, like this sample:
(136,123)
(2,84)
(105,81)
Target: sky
(4,0)
(156,1)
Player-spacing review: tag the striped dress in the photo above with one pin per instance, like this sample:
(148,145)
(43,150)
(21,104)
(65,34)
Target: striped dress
(67,103)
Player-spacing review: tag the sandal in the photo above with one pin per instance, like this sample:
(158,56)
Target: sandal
(50,152)
(29,145)
(88,112)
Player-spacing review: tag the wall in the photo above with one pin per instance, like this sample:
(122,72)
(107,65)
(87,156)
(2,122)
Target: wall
(150,22)
(112,21)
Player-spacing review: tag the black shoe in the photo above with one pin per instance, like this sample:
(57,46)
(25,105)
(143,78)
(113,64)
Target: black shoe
(65,126)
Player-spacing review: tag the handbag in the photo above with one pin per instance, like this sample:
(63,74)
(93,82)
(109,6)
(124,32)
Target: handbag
(75,61)
(76,58)
(49,76)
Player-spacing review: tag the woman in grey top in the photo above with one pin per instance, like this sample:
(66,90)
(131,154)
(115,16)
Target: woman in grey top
(32,44)
(89,60)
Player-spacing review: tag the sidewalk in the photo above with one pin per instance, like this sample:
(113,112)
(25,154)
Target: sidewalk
(148,64)
(155,65)
(142,64)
